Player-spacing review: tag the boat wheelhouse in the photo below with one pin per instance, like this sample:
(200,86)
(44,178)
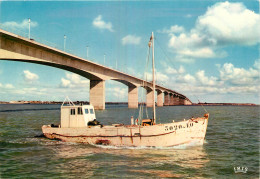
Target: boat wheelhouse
(76,116)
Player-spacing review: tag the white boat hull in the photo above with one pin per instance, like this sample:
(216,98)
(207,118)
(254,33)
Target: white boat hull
(160,135)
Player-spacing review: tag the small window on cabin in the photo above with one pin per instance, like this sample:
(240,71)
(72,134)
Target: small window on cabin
(72,111)
(86,111)
(80,111)
(91,111)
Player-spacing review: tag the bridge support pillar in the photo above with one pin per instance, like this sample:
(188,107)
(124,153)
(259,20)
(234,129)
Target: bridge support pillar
(176,100)
(132,97)
(159,98)
(149,97)
(171,103)
(187,102)
(181,101)
(166,99)
(97,94)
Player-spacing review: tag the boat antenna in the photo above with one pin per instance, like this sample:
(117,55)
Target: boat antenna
(151,42)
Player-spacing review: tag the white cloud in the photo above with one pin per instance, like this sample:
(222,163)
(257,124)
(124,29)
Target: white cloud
(184,41)
(72,85)
(20,25)
(73,80)
(98,22)
(239,76)
(131,39)
(169,70)
(222,24)
(257,64)
(173,29)
(148,76)
(161,78)
(65,83)
(231,81)
(119,93)
(190,46)
(206,80)
(181,69)
(29,76)
(9,86)
(198,53)
(184,59)
(189,79)
(15,93)
(243,89)
(6,86)
(30,91)
(230,23)
(188,16)
(132,71)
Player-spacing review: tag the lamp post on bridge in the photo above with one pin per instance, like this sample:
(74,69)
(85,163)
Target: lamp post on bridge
(87,52)
(29,23)
(65,42)
(104,58)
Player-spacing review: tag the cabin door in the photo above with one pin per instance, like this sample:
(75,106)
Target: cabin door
(73,118)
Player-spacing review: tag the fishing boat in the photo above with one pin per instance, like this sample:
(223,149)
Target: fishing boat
(78,124)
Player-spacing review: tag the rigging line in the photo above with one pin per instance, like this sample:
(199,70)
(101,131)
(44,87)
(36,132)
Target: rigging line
(144,84)
(202,106)
(179,74)
(146,73)
(141,107)
(147,116)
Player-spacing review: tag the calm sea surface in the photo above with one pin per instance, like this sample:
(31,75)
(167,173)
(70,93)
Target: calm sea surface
(232,140)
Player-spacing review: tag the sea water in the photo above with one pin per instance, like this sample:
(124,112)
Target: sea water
(232,141)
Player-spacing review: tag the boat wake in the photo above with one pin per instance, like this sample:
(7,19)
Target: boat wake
(181,147)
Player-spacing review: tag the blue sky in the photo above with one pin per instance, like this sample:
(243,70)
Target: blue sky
(203,49)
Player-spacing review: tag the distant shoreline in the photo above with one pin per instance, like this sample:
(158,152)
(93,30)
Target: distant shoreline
(224,104)
(125,103)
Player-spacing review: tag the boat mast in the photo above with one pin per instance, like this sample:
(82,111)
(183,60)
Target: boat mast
(154,112)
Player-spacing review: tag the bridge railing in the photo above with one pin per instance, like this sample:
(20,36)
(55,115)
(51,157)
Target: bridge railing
(25,33)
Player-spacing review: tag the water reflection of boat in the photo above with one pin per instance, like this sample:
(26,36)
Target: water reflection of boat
(173,160)
(78,124)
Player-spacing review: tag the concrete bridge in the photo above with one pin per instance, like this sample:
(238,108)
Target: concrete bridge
(17,48)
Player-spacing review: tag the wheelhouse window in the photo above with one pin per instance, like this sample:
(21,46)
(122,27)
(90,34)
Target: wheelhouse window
(80,111)
(86,111)
(91,111)
(72,112)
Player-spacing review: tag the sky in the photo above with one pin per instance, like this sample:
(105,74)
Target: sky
(206,50)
